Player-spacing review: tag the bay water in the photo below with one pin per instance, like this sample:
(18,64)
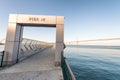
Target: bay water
(94,62)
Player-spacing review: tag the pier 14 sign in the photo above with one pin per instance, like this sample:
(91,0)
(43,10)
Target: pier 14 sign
(36,19)
(30,19)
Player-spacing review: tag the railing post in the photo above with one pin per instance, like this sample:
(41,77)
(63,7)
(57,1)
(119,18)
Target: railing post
(2,59)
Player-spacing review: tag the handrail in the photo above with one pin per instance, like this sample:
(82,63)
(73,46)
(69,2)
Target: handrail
(67,72)
(70,71)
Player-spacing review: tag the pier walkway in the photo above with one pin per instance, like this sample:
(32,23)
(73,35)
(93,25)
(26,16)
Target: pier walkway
(40,66)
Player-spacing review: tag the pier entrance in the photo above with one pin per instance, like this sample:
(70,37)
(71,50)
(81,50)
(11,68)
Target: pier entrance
(15,31)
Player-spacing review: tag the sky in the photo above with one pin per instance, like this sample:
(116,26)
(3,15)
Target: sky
(84,19)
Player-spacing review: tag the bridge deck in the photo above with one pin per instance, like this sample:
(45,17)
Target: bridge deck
(38,67)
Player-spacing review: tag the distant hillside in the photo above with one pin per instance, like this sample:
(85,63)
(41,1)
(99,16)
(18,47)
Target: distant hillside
(2,43)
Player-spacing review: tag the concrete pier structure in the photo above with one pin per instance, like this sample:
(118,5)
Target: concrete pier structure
(37,67)
(49,64)
(15,30)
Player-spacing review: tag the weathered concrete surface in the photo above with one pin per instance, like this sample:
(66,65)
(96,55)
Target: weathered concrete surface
(38,67)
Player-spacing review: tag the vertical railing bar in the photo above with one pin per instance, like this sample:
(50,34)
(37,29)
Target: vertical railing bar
(2,59)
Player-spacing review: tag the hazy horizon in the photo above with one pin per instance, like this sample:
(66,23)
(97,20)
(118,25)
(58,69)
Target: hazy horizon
(100,42)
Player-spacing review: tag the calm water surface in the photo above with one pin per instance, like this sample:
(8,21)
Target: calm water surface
(94,62)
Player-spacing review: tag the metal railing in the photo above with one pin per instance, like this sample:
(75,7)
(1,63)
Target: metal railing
(1,58)
(67,72)
(29,44)
(29,47)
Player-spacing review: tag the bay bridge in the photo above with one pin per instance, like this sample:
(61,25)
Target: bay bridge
(107,41)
